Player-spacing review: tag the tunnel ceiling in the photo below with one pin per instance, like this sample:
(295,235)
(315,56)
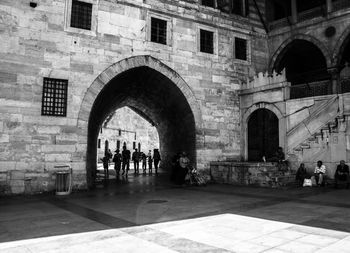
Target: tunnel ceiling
(304,62)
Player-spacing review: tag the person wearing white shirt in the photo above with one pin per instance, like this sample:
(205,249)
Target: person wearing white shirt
(319,173)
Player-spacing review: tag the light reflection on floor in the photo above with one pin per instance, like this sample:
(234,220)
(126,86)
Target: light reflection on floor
(219,233)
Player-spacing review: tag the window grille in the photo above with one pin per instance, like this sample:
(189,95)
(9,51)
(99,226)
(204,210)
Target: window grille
(158,30)
(209,3)
(206,41)
(81,15)
(54,101)
(241,49)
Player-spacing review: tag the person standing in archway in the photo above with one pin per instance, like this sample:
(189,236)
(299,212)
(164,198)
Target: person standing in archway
(156,159)
(150,161)
(125,160)
(144,162)
(136,160)
(117,159)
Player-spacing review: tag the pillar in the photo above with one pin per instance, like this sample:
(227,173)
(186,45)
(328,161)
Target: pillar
(329,6)
(334,89)
(294,11)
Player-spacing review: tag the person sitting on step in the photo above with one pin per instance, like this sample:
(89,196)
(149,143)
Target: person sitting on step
(342,174)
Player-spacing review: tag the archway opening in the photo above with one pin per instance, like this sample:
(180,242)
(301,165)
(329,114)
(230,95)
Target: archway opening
(263,135)
(345,54)
(155,98)
(303,61)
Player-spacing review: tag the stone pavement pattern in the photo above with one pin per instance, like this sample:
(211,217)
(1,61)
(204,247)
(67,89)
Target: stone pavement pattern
(144,214)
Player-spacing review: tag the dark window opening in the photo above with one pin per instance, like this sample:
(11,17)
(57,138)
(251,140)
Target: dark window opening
(209,3)
(118,144)
(238,7)
(158,30)
(241,49)
(134,145)
(54,100)
(206,41)
(81,15)
(276,10)
(303,5)
(119,132)
(99,143)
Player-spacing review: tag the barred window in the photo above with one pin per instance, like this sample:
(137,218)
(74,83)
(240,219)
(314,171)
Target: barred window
(158,30)
(54,101)
(81,15)
(206,41)
(241,49)
(209,3)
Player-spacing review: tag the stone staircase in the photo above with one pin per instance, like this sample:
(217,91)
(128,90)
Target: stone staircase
(323,120)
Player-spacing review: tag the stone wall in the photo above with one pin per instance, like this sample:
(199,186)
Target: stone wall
(38,42)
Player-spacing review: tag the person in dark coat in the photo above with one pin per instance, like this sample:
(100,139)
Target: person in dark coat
(184,163)
(156,159)
(125,160)
(342,174)
(150,162)
(117,159)
(301,175)
(144,162)
(136,160)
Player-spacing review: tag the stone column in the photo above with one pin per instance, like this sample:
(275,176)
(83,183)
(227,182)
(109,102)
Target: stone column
(334,89)
(329,6)
(294,11)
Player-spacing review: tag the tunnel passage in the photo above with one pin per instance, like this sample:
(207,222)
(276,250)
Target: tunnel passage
(154,97)
(303,61)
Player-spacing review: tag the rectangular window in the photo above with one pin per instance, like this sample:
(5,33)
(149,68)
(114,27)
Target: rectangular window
(81,15)
(206,41)
(241,49)
(118,144)
(158,30)
(134,145)
(54,101)
(209,3)
(99,143)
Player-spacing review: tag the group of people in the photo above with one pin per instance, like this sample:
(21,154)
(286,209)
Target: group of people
(341,174)
(122,161)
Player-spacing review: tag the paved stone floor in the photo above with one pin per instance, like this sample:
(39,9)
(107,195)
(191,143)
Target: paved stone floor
(147,214)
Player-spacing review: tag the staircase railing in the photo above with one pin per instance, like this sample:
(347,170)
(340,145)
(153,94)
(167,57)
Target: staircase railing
(310,90)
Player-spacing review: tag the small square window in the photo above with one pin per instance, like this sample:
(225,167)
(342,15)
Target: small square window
(241,49)
(206,41)
(81,15)
(54,101)
(158,30)
(209,3)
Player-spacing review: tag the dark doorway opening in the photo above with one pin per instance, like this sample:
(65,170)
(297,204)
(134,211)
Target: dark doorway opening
(263,137)
(155,98)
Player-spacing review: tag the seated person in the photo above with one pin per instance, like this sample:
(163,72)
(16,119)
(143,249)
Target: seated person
(301,174)
(320,173)
(279,157)
(342,174)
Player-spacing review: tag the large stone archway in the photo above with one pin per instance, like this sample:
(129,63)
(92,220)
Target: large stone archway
(153,90)
(339,49)
(283,48)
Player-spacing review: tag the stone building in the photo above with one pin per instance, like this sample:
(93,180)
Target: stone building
(223,80)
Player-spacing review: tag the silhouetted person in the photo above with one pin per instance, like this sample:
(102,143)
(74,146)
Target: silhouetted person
(342,174)
(150,161)
(156,159)
(136,160)
(182,170)
(301,174)
(144,162)
(125,160)
(175,167)
(280,158)
(320,173)
(117,159)
(105,162)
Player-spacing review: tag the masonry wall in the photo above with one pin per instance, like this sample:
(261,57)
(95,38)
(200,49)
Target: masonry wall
(38,42)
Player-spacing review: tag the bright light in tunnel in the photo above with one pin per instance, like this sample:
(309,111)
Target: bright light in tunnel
(219,233)
(126,126)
